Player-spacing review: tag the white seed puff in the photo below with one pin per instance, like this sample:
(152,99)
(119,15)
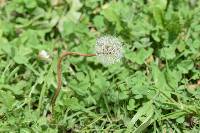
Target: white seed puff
(108,50)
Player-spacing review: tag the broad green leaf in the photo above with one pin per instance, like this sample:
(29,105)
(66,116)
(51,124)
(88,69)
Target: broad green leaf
(112,14)
(180,119)
(69,27)
(158,3)
(73,104)
(123,95)
(8,49)
(131,104)
(7,101)
(173,78)
(168,52)
(159,79)
(141,55)
(30,3)
(75,4)
(185,65)
(157,8)
(99,21)
(80,88)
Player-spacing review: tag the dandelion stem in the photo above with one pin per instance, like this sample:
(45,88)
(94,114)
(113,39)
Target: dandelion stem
(59,74)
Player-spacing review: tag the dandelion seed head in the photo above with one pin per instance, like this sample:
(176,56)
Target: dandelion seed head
(108,50)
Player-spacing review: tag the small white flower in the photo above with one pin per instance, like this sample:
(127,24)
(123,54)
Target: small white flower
(108,50)
(44,55)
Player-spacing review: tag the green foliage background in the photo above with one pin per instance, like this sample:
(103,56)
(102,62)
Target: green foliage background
(154,89)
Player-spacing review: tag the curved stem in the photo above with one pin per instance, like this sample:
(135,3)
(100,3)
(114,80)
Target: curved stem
(59,74)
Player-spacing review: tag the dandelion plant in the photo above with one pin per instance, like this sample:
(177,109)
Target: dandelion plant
(108,50)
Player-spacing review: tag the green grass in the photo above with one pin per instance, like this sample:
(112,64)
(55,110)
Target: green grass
(155,88)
